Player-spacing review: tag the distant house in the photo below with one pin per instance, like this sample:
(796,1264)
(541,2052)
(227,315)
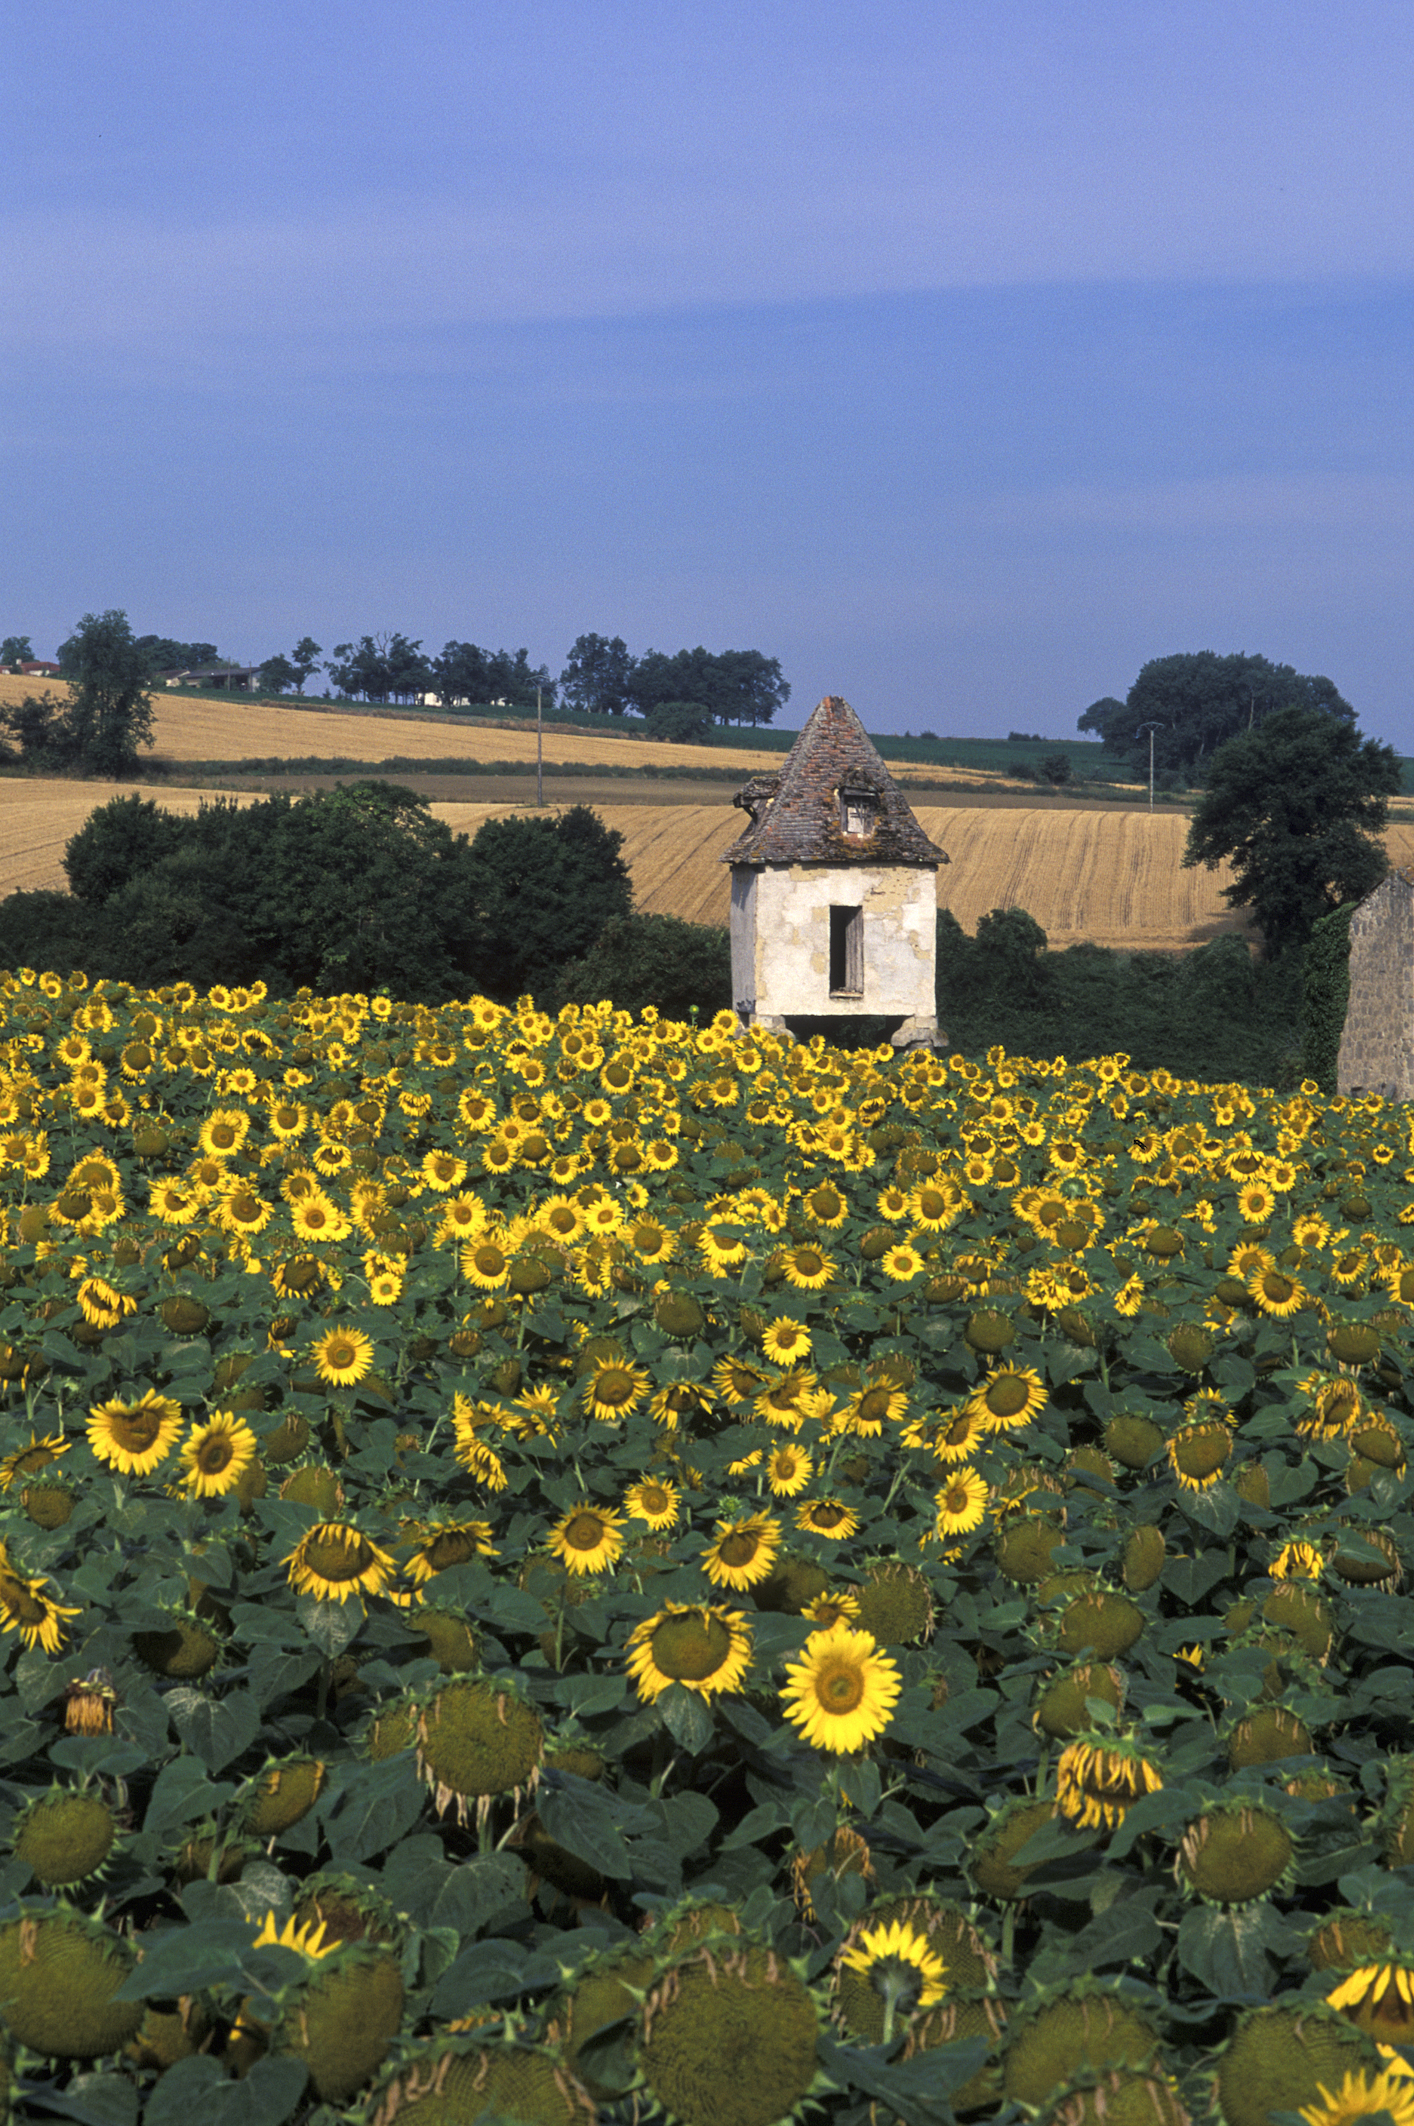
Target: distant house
(37,668)
(236,678)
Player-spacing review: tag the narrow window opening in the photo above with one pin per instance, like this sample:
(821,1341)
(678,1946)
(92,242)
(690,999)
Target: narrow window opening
(846,951)
(859,813)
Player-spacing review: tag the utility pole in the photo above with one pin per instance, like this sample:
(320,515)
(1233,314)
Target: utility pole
(1150,728)
(540,748)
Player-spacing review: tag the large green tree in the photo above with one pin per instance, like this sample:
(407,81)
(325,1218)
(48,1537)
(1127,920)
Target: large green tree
(1199,700)
(1295,805)
(598,675)
(542,891)
(109,714)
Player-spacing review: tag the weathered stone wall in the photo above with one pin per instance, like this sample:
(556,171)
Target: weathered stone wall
(1377,1044)
(780,931)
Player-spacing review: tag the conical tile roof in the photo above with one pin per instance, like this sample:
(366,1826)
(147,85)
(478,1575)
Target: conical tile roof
(834,802)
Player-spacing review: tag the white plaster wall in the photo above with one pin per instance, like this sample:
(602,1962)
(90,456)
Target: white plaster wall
(781,939)
(743,936)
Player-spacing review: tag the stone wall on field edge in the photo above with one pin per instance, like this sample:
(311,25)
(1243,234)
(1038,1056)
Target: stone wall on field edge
(1377,1044)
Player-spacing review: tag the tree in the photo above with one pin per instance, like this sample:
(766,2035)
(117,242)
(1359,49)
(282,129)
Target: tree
(305,660)
(110,711)
(658,960)
(276,674)
(1295,805)
(163,654)
(598,674)
(1056,767)
(1200,700)
(542,891)
(687,723)
(732,686)
(380,667)
(484,678)
(16,649)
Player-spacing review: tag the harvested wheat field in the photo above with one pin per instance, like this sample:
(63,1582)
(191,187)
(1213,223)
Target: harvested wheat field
(1104,878)
(230,728)
(185,729)
(38,816)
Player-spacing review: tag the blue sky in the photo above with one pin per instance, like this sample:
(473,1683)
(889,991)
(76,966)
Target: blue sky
(963,356)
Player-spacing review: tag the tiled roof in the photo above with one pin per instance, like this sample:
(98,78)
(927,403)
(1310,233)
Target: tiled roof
(834,802)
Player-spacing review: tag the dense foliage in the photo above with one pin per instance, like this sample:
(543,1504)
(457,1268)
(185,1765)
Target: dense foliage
(574,1565)
(1214,1012)
(108,713)
(1297,807)
(1198,700)
(359,883)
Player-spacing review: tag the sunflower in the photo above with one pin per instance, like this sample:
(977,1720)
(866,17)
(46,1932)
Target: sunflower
(962,1503)
(103,1304)
(443,1171)
(224,1132)
(480,1461)
(842,1693)
(615,1389)
(485,1264)
(343,1357)
(826,1205)
(902,1263)
(216,1455)
(27,1609)
(785,1340)
(171,1202)
(1276,1293)
(1298,1560)
(954,1435)
(827,1517)
(654,1501)
(28,1461)
(680,1402)
(1361,2096)
(870,1408)
(704,1646)
(587,1539)
(788,1470)
(448,1543)
(808,1268)
(1098,1776)
(1256,1202)
(736,1381)
(835,1606)
(1009,1398)
(134,1437)
(742,1553)
(900,1966)
(1378,1999)
(721,1249)
(316,1217)
(334,1560)
(1198,1454)
(306,1941)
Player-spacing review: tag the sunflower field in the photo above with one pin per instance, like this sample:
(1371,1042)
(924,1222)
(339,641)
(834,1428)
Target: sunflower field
(594,1568)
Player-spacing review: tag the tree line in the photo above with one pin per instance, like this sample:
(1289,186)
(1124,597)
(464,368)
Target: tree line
(679,696)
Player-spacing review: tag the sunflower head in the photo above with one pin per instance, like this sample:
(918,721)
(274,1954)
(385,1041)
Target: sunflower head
(706,1647)
(1234,1852)
(729,2035)
(477,1739)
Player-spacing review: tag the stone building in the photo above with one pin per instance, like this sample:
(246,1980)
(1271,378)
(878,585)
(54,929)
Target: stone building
(1377,1044)
(834,900)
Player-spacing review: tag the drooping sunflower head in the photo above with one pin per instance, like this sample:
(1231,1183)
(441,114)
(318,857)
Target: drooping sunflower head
(1099,1775)
(64,1837)
(729,2037)
(1379,1999)
(896,1604)
(335,1561)
(476,1739)
(1235,1852)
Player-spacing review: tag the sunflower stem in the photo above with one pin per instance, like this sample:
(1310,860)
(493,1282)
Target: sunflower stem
(1008,1936)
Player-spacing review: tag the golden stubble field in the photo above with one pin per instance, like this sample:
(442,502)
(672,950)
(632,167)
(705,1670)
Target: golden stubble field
(1105,876)
(200,730)
(1108,878)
